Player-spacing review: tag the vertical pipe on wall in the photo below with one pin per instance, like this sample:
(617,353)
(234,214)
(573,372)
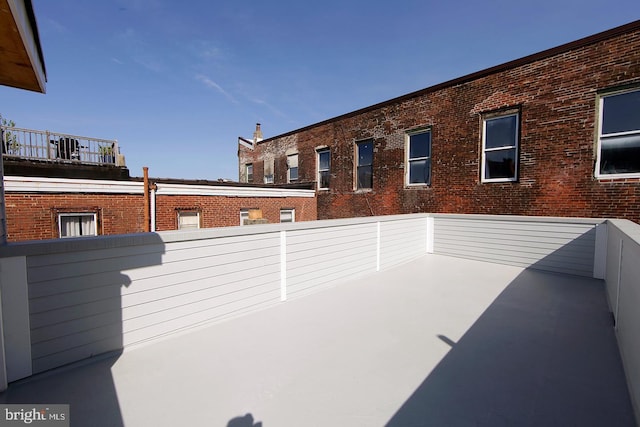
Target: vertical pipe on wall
(154,188)
(145,172)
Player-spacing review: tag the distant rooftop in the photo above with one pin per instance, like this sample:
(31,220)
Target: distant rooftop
(43,153)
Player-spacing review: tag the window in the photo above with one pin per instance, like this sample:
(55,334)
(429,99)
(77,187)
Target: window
(619,135)
(418,169)
(324,164)
(287,215)
(292,168)
(268,171)
(244,215)
(500,148)
(77,224)
(364,171)
(249,172)
(188,220)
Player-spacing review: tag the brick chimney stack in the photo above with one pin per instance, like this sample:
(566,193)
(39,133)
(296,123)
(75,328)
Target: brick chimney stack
(257,135)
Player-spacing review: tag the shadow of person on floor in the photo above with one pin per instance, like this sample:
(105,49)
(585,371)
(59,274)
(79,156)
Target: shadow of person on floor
(77,293)
(244,421)
(543,353)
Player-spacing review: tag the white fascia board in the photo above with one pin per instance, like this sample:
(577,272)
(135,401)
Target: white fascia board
(228,191)
(245,142)
(21,184)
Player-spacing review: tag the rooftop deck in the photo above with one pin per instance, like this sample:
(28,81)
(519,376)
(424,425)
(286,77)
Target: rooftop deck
(437,341)
(59,148)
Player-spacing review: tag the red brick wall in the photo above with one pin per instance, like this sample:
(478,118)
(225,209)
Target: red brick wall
(557,100)
(34,216)
(220,211)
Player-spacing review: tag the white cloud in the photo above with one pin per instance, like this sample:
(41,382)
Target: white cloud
(273,109)
(213,85)
(206,50)
(139,50)
(54,26)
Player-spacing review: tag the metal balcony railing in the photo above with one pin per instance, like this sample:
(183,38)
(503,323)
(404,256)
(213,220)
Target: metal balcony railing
(18,143)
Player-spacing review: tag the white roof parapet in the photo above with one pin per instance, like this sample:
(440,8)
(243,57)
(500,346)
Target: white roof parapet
(15,184)
(230,191)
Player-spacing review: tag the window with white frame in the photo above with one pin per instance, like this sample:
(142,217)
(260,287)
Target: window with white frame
(619,135)
(500,148)
(418,150)
(292,168)
(287,215)
(77,224)
(249,172)
(364,168)
(188,219)
(324,165)
(268,171)
(244,215)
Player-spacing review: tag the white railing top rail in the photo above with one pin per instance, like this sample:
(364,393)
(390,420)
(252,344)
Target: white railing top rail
(44,145)
(122,240)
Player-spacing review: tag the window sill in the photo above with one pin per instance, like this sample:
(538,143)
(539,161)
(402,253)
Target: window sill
(617,176)
(499,180)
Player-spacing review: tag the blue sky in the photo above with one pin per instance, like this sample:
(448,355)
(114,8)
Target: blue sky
(177,82)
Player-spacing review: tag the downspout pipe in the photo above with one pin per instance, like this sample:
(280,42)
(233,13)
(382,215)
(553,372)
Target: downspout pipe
(153,188)
(147,203)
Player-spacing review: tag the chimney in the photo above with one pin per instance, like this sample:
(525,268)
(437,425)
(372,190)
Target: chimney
(257,135)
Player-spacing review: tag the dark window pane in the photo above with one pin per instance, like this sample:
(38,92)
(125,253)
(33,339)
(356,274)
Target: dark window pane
(500,164)
(621,113)
(323,159)
(324,179)
(293,174)
(420,145)
(365,153)
(419,171)
(500,132)
(365,177)
(249,173)
(620,155)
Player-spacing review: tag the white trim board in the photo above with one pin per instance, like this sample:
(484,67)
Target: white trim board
(21,184)
(211,190)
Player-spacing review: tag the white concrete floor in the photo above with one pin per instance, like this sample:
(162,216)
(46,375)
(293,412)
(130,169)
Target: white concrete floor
(436,342)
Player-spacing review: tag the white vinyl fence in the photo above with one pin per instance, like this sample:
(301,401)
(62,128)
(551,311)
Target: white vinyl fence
(69,299)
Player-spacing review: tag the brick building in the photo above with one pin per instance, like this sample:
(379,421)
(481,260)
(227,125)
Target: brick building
(61,185)
(46,207)
(555,133)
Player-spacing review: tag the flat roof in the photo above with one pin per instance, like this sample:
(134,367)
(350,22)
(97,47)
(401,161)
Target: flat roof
(437,341)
